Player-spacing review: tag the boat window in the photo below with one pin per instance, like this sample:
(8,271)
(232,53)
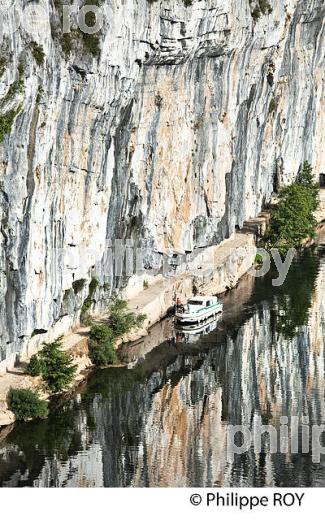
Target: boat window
(208,303)
(195,302)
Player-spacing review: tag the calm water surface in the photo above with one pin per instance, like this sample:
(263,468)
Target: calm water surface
(164,422)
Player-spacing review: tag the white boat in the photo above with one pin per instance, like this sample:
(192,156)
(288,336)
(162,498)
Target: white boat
(198,309)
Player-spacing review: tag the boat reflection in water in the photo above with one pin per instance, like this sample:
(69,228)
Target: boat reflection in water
(191,333)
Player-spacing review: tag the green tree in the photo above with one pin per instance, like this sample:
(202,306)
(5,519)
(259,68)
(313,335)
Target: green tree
(121,320)
(306,178)
(26,404)
(35,366)
(101,345)
(293,219)
(54,365)
(102,337)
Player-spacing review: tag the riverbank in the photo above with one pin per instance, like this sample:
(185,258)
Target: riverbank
(213,270)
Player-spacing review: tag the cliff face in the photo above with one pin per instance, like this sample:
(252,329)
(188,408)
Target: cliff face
(174,134)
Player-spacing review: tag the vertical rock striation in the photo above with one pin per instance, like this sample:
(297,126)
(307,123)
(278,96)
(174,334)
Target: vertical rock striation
(174,134)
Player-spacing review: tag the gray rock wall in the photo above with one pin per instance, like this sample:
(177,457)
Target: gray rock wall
(178,131)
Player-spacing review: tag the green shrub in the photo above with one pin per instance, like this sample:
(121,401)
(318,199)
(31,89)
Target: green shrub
(293,220)
(67,43)
(272,106)
(101,345)
(54,365)
(259,8)
(103,354)
(21,65)
(256,13)
(258,260)
(306,178)
(36,366)
(17,87)
(26,404)
(100,333)
(94,283)
(6,122)
(92,43)
(3,64)
(84,317)
(187,3)
(265,7)
(102,337)
(121,321)
(145,284)
(67,294)
(37,52)
(71,41)
(78,285)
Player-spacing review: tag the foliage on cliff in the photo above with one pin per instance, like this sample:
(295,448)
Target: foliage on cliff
(101,345)
(54,365)
(187,3)
(121,320)
(292,220)
(102,337)
(3,64)
(6,122)
(26,404)
(77,40)
(84,313)
(259,8)
(37,52)
(16,88)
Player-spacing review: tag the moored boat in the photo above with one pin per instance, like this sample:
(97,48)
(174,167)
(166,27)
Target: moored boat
(198,309)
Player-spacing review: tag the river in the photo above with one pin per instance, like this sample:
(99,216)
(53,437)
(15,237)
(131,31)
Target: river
(165,420)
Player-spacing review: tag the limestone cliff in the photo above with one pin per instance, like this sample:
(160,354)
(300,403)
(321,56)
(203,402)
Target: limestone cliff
(172,126)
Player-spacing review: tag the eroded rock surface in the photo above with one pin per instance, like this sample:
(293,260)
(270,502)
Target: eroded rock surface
(175,134)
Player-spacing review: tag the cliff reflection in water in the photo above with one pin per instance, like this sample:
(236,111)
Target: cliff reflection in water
(164,423)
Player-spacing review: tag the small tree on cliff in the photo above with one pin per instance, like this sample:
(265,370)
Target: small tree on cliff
(306,178)
(293,220)
(101,345)
(121,320)
(102,336)
(54,365)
